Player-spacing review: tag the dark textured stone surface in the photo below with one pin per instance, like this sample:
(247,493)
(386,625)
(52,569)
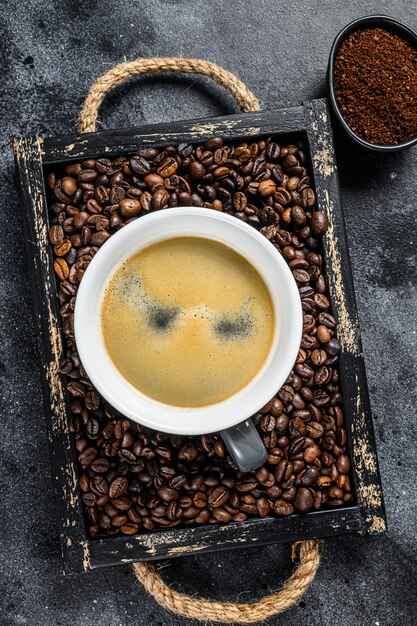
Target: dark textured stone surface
(51,50)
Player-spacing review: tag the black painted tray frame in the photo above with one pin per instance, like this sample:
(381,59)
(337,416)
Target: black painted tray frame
(81,553)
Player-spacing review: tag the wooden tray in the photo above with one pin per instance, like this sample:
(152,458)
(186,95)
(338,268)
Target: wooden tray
(309,122)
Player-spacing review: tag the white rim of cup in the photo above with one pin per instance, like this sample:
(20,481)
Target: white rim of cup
(245,240)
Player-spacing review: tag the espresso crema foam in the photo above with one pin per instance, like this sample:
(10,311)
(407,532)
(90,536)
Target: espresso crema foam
(187,321)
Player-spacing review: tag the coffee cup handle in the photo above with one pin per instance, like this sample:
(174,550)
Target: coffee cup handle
(245,446)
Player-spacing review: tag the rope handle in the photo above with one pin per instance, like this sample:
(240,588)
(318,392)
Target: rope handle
(309,551)
(122,72)
(236,613)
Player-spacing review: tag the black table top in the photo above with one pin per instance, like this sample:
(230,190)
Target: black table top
(51,52)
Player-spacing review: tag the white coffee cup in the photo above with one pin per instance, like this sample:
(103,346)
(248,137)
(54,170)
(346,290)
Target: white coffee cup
(230,416)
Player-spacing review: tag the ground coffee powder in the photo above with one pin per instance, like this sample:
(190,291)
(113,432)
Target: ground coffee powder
(375,80)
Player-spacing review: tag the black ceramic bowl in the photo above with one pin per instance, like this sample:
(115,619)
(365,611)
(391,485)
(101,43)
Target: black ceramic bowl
(371,21)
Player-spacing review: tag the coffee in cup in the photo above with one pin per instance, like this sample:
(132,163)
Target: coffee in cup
(187,321)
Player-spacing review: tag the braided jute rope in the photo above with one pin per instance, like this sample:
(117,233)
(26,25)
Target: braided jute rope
(235,613)
(309,551)
(122,72)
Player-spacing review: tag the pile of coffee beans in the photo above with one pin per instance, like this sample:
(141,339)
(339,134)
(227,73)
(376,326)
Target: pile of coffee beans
(132,479)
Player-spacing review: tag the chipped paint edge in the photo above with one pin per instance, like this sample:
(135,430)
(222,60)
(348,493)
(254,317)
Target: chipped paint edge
(29,150)
(348,331)
(365,466)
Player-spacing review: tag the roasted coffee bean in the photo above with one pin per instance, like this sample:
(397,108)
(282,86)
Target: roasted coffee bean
(88,174)
(89,499)
(76,389)
(304,500)
(246,485)
(333,347)
(311,452)
(118,487)
(212,479)
(321,301)
(178,481)
(297,445)
(100,466)
(314,430)
(84,482)
(191,512)
(267,423)
(266,188)
(99,485)
(221,515)
(309,476)
(321,398)
(188,452)
(343,464)
(196,171)
(92,400)
(306,393)
(289,492)
(286,394)
(129,207)
(92,428)
(249,509)
(273,151)
(274,456)
(282,196)
(167,494)
(320,282)
(301,276)
(56,234)
(129,528)
(202,517)
(270,439)
(262,475)
(318,357)
(273,492)
(240,201)
(168,167)
(139,165)
(283,508)
(173,511)
(304,371)
(97,239)
(263,507)
(61,268)
(323,334)
(219,448)
(93,515)
(62,248)
(218,497)
(277,407)
(323,375)
(85,235)
(326,319)
(69,185)
(281,423)
(308,198)
(341,437)
(318,223)
(127,456)
(88,456)
(283,471)
(200,499)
